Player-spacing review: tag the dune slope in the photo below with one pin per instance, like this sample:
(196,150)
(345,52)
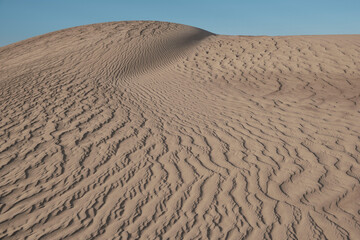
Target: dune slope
(131,130)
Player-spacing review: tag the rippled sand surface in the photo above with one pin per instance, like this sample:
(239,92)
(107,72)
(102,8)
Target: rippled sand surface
(155,130)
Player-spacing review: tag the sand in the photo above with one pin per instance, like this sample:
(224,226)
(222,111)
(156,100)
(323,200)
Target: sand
(154,130)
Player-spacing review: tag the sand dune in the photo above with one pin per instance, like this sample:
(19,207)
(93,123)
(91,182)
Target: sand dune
(155,130)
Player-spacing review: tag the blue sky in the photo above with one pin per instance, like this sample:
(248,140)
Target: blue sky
(21,19)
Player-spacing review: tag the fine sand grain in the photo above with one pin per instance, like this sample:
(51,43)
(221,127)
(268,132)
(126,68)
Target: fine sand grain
(155,130)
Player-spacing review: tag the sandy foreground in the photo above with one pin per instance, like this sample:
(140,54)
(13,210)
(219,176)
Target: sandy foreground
(155,130)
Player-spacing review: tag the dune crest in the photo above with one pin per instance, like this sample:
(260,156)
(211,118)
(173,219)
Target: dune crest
(130,130)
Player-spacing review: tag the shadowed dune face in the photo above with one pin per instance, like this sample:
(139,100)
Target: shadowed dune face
(133,130)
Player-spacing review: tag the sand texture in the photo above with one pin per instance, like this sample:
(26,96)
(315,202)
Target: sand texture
(153,130)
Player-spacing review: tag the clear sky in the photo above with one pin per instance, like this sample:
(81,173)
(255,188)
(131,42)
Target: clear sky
(21,19)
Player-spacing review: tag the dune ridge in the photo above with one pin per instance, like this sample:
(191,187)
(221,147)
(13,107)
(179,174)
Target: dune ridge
(146,130)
